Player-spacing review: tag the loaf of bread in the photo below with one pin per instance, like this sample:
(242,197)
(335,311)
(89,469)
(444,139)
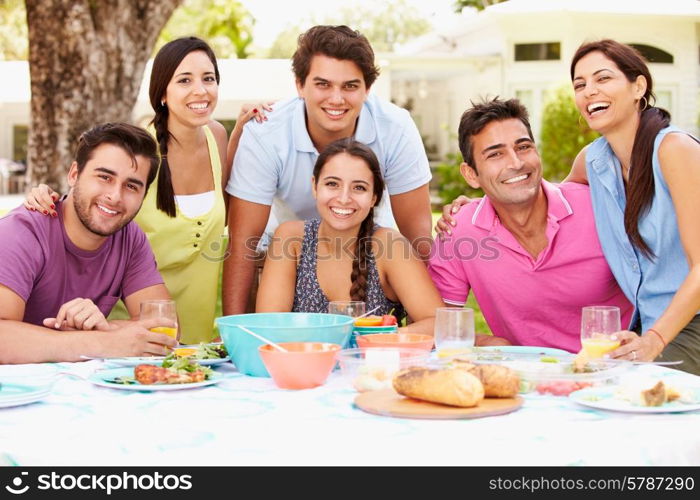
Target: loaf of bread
(450,386)
(498,381)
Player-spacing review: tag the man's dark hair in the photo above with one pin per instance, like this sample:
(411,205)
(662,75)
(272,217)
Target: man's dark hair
(338,42)
(481,114)
(135,141)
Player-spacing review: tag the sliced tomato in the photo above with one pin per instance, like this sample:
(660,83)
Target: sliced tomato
(388,320)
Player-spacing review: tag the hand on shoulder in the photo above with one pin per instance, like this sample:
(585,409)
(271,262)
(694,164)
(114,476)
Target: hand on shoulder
(447,221)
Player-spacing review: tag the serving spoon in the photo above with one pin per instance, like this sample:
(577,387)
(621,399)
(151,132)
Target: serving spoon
(260,337)
(368,312)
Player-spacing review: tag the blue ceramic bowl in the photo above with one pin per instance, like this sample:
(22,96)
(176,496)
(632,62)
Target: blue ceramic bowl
(278,327)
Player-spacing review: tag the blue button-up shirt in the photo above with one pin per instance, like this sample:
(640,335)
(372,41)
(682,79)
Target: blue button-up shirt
(649,283)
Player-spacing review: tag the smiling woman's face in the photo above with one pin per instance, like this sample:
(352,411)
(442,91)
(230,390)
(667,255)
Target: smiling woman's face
(604,96)
(192,93)
(344,191)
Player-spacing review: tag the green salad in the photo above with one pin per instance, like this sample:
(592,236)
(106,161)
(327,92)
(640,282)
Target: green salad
(174,365)
(203,351)
(186,365)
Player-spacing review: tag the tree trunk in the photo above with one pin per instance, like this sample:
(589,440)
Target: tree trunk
(86,62)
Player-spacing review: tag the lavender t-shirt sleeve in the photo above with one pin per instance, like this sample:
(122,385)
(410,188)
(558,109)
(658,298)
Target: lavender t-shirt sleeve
(142,270)
(21,254)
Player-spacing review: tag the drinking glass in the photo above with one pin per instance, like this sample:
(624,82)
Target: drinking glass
(599,327)
(454,331)
(163,309)
(352,308)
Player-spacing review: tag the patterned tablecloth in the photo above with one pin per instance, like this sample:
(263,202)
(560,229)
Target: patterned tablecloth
(248,421)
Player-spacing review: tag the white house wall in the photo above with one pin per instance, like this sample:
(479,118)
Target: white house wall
(446,71)
(494,33)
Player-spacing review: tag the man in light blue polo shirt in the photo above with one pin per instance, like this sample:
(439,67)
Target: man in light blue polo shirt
(271,178)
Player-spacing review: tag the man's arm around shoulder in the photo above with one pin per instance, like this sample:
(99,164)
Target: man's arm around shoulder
(246,223)
(413,216)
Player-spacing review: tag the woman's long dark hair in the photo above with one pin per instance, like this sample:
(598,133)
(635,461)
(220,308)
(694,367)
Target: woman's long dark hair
(164,65)
(640,188)
(358,277)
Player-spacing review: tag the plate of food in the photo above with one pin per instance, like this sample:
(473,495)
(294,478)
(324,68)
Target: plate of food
(204,354)
(489,352)
(549,374)
(657,396)
(172,375)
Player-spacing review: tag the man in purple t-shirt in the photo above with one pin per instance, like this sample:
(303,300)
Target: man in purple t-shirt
(529,249)
(66,273)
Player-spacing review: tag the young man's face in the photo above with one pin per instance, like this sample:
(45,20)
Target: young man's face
(108,193)
(508,166)
(334,92)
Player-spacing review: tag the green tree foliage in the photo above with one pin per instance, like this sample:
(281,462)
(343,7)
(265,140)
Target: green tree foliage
(449,181)
(386,24)
(225,24)
(477,4)
(14,41)
(286,42)
(563,134)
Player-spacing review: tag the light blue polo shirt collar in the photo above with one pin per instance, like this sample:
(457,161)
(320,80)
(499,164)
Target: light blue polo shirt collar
(365,131)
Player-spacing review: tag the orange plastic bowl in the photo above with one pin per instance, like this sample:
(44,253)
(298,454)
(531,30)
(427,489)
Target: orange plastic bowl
(306,365)
(410,340)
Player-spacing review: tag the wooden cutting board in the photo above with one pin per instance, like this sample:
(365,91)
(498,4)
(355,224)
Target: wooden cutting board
(388,403)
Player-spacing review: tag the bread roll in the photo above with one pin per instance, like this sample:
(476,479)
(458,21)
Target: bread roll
(449,386)
(498,381)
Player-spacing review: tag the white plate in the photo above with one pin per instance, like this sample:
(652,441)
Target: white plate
(34,375)
(607,398)
(158,360)
(104,378)
(16,395)
(523,349)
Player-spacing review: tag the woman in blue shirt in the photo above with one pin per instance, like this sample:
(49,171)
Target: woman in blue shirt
(644,176)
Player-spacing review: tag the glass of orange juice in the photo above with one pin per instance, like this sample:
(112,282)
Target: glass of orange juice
(164,309)
(454,331)
(599,328)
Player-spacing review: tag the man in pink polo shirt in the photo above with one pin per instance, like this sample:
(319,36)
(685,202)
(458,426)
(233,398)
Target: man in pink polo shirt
(529,249)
